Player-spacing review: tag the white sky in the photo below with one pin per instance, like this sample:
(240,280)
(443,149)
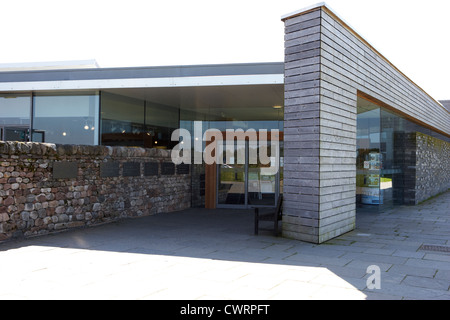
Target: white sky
(414,35)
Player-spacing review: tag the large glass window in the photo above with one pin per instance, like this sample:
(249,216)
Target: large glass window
(15,117)
(386,157)
(160,122)
(66,118)
(395,143)
(15,109)
(240,184)
(122,121)
(128,121)
(369,158)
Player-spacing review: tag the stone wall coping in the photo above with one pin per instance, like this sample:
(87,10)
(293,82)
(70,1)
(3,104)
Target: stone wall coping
(49,149)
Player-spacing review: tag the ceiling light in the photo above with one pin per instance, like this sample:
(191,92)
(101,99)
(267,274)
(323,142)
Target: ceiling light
(277,107)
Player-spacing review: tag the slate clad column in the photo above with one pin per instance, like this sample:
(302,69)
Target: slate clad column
(319,139)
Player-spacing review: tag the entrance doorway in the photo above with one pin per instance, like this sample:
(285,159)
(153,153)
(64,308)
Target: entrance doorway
(249,183)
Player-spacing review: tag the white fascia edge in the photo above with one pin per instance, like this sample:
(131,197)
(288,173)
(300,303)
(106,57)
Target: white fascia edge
(144,83)
(300,11)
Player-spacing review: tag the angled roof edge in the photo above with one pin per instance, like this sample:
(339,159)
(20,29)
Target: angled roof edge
(328,9)
(303,11)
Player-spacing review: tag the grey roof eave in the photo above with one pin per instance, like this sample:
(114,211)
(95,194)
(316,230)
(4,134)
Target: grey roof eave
(144,72)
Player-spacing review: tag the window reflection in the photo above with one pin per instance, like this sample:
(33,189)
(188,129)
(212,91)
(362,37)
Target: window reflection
(122,120)
(369,158)
(160,122)
(15,117)
(241,184)
(66,119)
(128,121)
(386,157)
(15,109)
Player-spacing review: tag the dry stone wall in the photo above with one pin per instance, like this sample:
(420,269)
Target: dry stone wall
(432,167)
(46,187)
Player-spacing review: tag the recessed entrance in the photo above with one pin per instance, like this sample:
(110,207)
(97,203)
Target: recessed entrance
(251,183)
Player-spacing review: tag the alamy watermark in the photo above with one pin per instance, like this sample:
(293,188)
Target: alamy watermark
(233,151)
(374,280)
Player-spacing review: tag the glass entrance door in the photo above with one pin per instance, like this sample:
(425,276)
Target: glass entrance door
(232,178)
(263,182)
(247,184)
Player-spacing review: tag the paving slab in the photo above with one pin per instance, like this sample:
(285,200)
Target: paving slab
(213,254)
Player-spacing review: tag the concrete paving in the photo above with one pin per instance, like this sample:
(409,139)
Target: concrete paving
(203,254)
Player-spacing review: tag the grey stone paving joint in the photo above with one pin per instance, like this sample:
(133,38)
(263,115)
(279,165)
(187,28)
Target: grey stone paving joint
(203,254)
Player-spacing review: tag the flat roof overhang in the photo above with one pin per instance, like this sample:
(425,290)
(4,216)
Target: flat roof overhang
(143,77)
(229,91)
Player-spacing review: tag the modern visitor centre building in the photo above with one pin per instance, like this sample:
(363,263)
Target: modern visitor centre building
(354,132)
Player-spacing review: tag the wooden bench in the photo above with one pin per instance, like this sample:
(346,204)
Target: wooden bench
(274,215)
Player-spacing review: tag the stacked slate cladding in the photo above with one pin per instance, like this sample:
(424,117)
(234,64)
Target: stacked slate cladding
(327,67)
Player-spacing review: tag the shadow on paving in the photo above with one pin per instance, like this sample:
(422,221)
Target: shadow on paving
(168,233)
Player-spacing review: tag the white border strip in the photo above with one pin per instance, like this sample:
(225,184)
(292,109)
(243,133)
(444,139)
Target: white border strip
(144,83)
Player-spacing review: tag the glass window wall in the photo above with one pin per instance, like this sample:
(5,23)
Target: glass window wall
(128,121)
(395,143)
(66,118)
(238,184)
(386,157)
(160,122)
(368,161)
(15,109)
(15,117)
(122,121)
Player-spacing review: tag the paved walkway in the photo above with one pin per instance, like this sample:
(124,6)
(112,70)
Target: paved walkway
(199,254)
